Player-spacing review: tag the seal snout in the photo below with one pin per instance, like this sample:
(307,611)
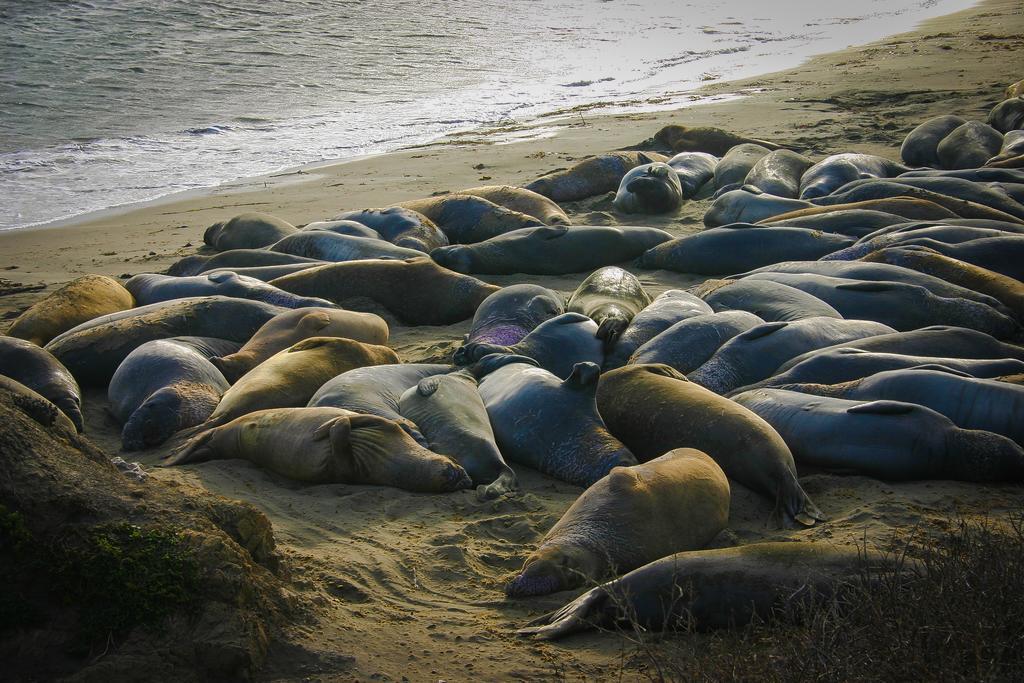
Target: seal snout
(526,585)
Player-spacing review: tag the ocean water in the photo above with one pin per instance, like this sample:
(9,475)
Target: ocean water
(111,102)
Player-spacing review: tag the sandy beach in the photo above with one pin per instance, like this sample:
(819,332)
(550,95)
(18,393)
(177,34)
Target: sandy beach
(409,587)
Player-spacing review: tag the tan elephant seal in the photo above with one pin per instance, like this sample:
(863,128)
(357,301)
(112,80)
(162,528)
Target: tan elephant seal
(40,409)
(76,302)
(289,378)
(522,200)
(247,231)
(467,219)
(290,328)
(592,176)
(632,516)
(703,139)
(327,446)
(911,209)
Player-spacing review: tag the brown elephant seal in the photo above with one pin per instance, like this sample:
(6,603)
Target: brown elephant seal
(289,378)
(920,147)
(247,231)
(467,219)
(36,368)
(452,418)
(969,146)
(711,589)
(290,328)
(402,227)
(653,409)
(733,168)
(235,259)
(962,197)
(610,297)
(418,291)
(522,200)
(38,408)
(592,176)
(326,446)
(93,350)
(909,208)
(632,516)
(1007,115)
(702,139)
(779,173)
(76,302)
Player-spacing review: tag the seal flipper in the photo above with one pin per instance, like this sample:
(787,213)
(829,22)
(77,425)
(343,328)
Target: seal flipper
(496,361)
(506,482)
(474,351)
(587,611)
(196,449)
(609,331)
(794,506)
(583,375)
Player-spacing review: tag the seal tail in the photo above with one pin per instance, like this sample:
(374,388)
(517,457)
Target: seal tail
(794,506)
(196,449)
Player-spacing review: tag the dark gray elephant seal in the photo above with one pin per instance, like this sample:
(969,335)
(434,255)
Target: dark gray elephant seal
(450,414)
(778,173)
(855,223)
(753,355)
(610,297)
(334,248)
(750,205)
(235,258)
(375,390)
(884,439)
(92,351)
(37,407)
(1003,255)
(343,227)
(547,423)
(831,173)
(1007,115)
(666,310)
(557,345)
(771,301)
(920,147)
(971,403)
(696,172)
(38,369)
(632,516)
(327,446)
(522,200)
(265,273)
(739,247)
(550,250)
(165,386)
(711,589)
(1012,149)
(512,312)
(734,166)
(951,186)
(653,409)
(688,344)
(151,288)
(901,306)
(247,231)
(969,146)
(949,234)
(891,188)
(651,188)
(590,177)
(402,227)
(465,219)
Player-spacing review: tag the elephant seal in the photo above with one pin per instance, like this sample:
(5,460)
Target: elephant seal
(36,368)
(975,175)
(753,355)
(843,364)
(778,173)
(77,302)
(343,227)
(688,344)
(512,312)
(247,231)
(1004,255)
(590,177)
(1007,290)
(465,219)
(666,310)
(151,288)
(375,390)
(732,169)
(833,172)
(286,329)
(610,297)
(739,247)
(550,250)
(771,301)
(37,407)
(884,439)
(235,258)
(1007,115)
(631,516)
(949,234)
(164,386)
(874,190)
(402,227)
(323,245)
(450,414)
(950,186)
(651,188)
(557,345)
(1014,90)
(654,409)
(522,200)
(969,146)
(969,402)
(695,171)
(327,446)
(93,350)
(291,377)
(713,589)
(907,207)
(1012,149)
(703,139)
(749,205)
(854,223)
(418,291)
(901,306)
(920,147)
(549,424)
(265,273)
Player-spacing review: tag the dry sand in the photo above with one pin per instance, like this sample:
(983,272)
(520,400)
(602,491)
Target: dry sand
(408,585)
